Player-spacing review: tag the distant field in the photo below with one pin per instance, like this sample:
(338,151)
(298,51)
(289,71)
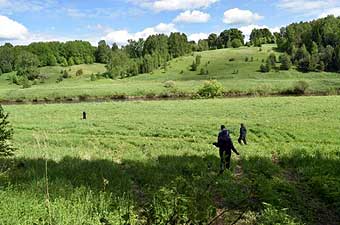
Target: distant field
(236,76)
(153,162)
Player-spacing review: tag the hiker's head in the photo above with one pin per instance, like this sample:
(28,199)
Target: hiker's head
(242,125)
(222,127)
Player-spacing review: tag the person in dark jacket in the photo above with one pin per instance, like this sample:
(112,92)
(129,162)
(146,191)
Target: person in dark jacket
(225,145)
(243,134)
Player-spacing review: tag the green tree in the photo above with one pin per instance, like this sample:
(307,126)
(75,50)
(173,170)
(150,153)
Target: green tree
(70,61)
(212,41)
(272,60)
(236,43)
(6,133)
(102,52)
(134,48)
(178,44)
(285,61)
(203,45)
(27,65)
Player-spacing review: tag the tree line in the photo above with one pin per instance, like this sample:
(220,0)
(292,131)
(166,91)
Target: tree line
(138,56)
(312,46)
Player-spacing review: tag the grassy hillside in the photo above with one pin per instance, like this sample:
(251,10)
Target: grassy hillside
(236,76)
(124,164)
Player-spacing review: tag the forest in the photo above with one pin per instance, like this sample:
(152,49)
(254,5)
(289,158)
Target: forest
(310,46)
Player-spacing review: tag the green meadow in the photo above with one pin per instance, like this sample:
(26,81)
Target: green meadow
(236,69)
(154,162)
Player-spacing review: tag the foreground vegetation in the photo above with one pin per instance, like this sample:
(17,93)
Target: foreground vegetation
(153,163)
(236,69)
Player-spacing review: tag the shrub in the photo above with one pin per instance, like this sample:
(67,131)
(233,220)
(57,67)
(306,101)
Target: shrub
(6,132)
(25,82)
(300,87)
(236,43)
(235,72)
(93,77)
(14,79)
(231,59)
(65,74)
(79,72)
(264,68)
(272,60)
(246,59)
(169,84)
(182,72)
(286,62)
(211,89)
(59,79)
(198,60)
(193,66)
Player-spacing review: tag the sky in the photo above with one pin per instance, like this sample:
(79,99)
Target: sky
(27,21)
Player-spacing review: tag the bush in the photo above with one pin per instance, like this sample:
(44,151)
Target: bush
(79,72)
(286,62)
(211,89)
(272,60)
(93,77)
(65,75)
(231,59)
(236,43)
(14,79)
(6,132)
(246,59)
(300,87)
(59,79)
(264,68)
(198,60)
(169,84)
(193,66)
(25,82)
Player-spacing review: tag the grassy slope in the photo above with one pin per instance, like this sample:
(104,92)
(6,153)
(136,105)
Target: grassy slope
(124,156)
(247,79)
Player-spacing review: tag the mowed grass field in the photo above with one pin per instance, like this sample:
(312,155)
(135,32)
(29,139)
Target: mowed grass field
(237,76)
(153,163)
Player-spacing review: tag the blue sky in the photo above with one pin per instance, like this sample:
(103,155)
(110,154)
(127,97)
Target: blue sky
(25,21)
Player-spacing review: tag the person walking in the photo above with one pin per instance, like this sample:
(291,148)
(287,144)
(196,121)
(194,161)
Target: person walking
(225,145)
(243,135)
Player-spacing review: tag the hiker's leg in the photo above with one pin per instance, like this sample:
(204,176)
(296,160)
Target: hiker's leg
(239,140)
(245,140)
(227,160)
(222,161)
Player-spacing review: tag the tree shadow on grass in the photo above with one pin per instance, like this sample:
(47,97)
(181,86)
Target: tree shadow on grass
(187,189)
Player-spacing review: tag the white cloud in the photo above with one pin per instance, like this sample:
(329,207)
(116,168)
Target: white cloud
(237,16)
(171,5)
(192,17)
(304,5)
(334,11)
(11,30)
(198,36)
(246,30)
(11,6)
(122,36)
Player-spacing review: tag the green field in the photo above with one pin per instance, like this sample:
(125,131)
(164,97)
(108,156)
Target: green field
(237,76)
(153,162)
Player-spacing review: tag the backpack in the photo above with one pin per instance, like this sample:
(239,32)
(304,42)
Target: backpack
(223,136)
